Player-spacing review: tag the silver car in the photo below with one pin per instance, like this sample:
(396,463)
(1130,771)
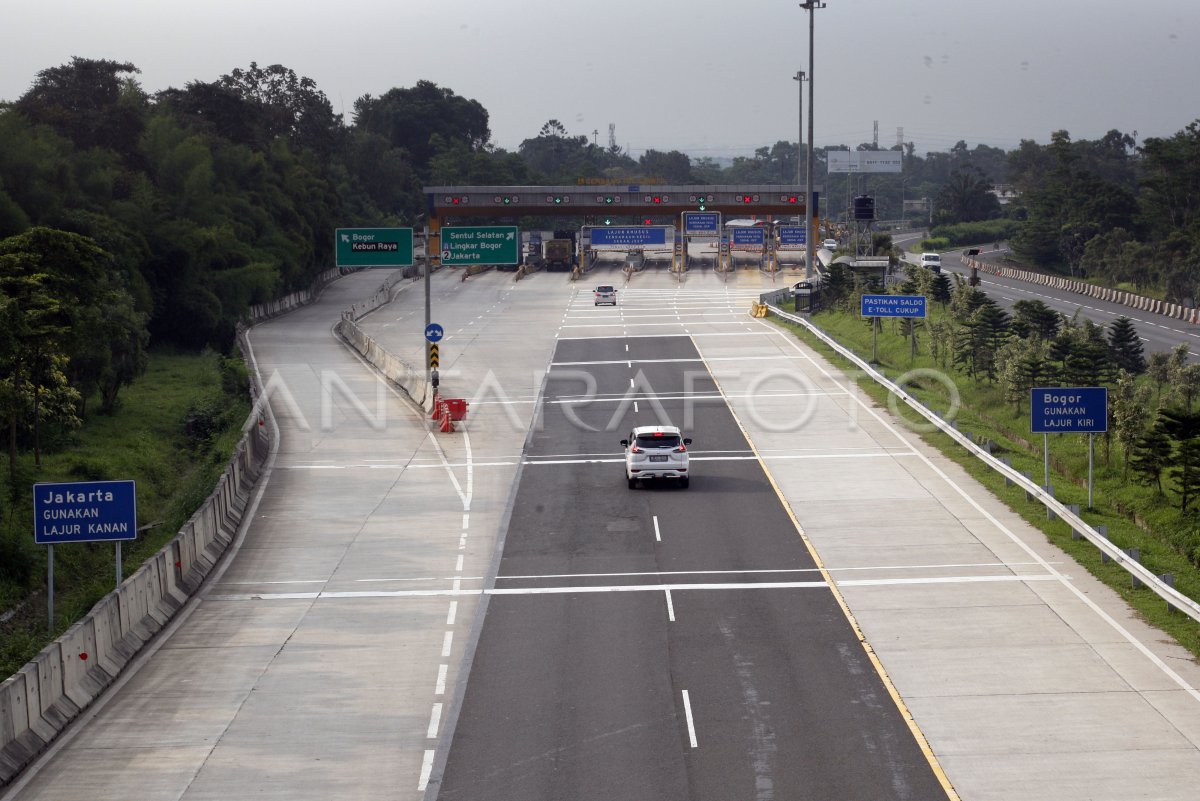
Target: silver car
(656,452)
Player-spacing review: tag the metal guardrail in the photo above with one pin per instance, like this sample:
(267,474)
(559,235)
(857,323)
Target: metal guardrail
(1133,567)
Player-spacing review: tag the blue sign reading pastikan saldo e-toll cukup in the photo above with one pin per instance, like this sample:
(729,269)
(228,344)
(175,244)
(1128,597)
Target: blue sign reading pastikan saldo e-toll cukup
(1068,410)
(893,306)
(84,511)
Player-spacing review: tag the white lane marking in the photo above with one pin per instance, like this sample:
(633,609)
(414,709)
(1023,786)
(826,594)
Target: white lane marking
(426,770)
(450,616)
(631,384)
(688,336)
(635,407)
(459,565)
(691,724)
(1055,574)
(448,639)
(657,533)
(776,357)
(435,720)
(571,590)
(670,607)
(440,687)
(627,347)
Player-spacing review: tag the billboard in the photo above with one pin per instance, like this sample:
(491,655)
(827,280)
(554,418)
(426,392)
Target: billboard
(865,160)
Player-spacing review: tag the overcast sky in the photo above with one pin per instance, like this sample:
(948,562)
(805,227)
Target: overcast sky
(709,78)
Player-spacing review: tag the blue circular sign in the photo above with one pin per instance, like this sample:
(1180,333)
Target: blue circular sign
(433,332)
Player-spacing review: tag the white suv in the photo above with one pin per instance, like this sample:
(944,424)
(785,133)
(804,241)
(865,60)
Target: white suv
(606,295)
(932,260)
(654,452)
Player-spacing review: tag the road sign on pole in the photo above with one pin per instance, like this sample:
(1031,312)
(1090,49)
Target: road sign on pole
(792,236)
(464,245)
(84,511)
(434,333)
(1068,410)
(893,306)
(434,357)
(701,223)
(373,247)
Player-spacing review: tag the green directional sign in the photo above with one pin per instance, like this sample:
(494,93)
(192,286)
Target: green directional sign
(373,247)
(480,244)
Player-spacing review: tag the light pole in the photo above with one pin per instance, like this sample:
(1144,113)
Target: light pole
(811,7)
(800,77)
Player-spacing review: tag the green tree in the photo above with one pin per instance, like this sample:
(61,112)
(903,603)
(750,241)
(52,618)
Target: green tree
(1150,455)
(94,103)
(966,197)
(1160,371)
(1130,413)
(1035,318)
(1126,347)
(940,289)
(408,119)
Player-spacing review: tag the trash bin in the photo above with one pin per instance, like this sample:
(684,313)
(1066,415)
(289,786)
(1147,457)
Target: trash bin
(806,297)
(457,408)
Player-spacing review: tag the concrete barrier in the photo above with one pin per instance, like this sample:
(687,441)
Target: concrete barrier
(66,676)
(70,673)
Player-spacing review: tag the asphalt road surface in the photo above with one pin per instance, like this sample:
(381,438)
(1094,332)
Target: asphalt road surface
(1158,332)
(662,643)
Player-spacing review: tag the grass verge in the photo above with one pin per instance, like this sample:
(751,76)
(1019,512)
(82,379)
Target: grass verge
(1134,515)
(173,433)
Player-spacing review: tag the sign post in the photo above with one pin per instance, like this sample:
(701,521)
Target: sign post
(373,247)
(1068,410)
(910,306)
(85,511)
(464,245)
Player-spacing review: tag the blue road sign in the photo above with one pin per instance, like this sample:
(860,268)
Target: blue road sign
(434,333)
(629,235)
(1076,410)
(84,511)
(893,306)
(793,235)
(701,222)
(748,236)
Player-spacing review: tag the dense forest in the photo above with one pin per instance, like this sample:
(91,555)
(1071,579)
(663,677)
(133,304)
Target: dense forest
(129,218)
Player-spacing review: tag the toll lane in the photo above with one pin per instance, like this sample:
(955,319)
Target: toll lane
(665,643)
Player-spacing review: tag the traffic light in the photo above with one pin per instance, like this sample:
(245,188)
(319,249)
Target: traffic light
(506,200)
(647,221)
(608,220)
(558,200)
(456,200)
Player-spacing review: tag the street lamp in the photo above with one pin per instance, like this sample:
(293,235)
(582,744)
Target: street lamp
(811,7)
(800,77)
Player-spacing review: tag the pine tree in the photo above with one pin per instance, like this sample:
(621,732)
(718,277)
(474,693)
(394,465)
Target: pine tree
(1186,471)
(1037,318)
(941,288)
(1150,454)
(1125,346)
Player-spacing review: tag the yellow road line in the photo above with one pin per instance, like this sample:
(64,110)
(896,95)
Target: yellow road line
(918,735)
